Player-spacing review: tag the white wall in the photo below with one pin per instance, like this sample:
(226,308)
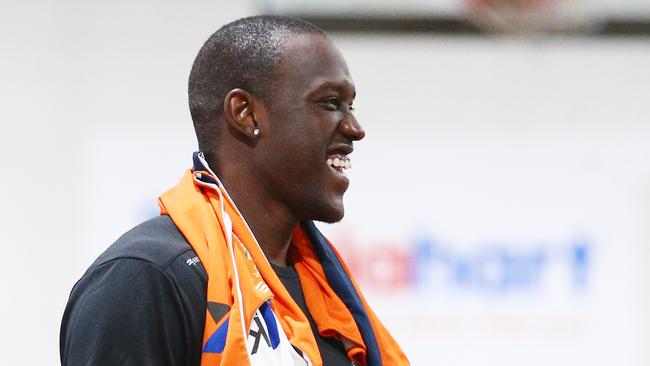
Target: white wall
(67,70)
(515,146)
(488,164)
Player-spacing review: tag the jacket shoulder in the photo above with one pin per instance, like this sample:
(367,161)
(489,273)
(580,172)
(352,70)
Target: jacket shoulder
(157,241)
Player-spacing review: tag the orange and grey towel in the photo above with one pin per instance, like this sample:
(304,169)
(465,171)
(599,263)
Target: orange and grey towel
(242,284)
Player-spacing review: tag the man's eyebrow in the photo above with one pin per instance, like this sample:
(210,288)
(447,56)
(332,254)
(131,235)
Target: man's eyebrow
(339,86)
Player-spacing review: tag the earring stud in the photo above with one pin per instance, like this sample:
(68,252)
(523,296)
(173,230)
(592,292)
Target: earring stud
(256,131)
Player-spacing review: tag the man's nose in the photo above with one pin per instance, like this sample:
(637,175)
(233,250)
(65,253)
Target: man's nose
(351,128)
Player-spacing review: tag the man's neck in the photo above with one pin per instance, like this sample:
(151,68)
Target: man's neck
(271,222)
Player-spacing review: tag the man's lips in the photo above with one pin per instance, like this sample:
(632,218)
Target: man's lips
(337,157)
(339,162)
(341,148)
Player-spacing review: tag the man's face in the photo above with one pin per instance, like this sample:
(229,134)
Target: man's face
(308,128)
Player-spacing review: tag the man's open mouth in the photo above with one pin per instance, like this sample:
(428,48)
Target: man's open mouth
(339,162)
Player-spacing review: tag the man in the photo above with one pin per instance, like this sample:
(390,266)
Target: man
(234,272)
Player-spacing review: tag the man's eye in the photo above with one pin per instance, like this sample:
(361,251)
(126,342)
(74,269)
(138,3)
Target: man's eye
(336,104)
(333,102)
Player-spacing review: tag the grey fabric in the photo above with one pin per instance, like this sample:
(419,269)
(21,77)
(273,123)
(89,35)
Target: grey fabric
(331,349)
(142,302)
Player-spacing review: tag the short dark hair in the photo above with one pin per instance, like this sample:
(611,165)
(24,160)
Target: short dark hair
(242,54)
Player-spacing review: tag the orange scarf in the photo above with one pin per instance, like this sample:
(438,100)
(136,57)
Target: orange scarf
(241,282)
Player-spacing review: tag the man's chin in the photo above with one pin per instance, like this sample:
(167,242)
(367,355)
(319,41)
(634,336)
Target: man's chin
(331,216)
(328,210)
(330,220)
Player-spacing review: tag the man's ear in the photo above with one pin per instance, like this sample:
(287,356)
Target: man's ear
(239,112)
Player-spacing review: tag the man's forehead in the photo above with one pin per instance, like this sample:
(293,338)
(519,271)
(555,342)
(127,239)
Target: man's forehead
(312,57)
(299,42)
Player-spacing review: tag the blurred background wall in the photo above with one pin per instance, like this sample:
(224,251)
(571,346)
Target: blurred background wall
(499,206)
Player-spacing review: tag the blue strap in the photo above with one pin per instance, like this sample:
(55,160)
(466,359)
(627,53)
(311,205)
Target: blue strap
(342,285)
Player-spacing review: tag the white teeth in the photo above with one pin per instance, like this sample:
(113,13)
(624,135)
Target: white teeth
(340,163)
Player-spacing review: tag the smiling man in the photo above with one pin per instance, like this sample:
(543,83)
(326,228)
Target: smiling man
(234,272)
